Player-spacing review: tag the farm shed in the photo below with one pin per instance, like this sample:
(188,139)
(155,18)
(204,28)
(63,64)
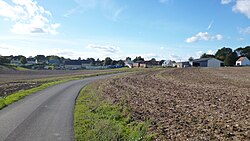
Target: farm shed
(243,61)
(206,62)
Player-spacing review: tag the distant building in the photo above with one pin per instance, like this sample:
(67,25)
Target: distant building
(182,64)
(167,63)
(31,61)
(129,63)
(243,61)
(73,64)
(140,64)
(86,63)
(206,62)
(15,61)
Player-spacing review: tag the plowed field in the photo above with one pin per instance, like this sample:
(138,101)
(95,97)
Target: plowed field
(187,104)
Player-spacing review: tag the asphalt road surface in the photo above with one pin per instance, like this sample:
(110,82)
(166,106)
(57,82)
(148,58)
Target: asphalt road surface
(44,116)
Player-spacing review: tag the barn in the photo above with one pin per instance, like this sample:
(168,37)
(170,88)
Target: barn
(206,62)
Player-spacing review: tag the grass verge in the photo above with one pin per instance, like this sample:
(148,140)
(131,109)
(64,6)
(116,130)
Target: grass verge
(5,101)
(96,119)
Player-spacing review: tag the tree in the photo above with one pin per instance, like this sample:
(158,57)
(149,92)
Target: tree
(244,51)
(23,60)
(207,56)
(121,63)
(222,53)
(230,59)
(107,61)
(139,58)
(4,60)
(190,59)
(128,59)
(161,62)
(40,57)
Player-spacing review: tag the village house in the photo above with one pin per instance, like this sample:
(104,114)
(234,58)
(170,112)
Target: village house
(30,61)
(129,63)
(243,61)
(182,64)
(15,61)
(167,63)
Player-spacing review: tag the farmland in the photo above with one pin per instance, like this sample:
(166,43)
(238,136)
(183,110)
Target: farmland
(191,103)
(12,80)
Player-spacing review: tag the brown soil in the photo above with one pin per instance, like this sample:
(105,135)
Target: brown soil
(188,104)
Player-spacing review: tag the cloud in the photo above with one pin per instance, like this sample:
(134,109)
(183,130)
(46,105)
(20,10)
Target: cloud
(28,17)
(203,36)
(226,1)
(104,49)
(242,6)
(109,8)
(245,30)
(210,25)
(199,53)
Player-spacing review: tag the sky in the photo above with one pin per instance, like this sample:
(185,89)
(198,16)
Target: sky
(161,29)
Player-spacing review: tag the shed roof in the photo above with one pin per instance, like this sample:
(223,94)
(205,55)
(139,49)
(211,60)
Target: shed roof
(241,58)
(204,59)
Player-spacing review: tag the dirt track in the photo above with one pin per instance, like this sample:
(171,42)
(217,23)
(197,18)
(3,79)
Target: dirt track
(192,103)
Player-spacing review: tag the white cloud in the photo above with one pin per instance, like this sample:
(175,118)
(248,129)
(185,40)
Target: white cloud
(205,36)
(109,8)
(210,52)
(226,1)
(242,6)
(104,49)
(245,30)
(28,17)
(199,53)
(210,25)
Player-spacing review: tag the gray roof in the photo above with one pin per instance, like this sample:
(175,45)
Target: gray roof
(203,59)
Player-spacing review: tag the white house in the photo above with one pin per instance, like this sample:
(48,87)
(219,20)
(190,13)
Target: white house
(129,63)
(167,63)
(206,62)
(243,61)
(31,61)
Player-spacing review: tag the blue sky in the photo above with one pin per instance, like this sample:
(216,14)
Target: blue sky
(161,29)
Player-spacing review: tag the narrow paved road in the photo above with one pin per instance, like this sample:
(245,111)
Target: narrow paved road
(44,116)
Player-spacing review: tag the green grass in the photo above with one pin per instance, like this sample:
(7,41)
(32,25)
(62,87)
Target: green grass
(21,94)
(96,119)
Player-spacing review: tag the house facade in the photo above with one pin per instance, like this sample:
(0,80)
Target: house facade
(129,63)
(15,61)
(31,61)
(167,63)
(243,61)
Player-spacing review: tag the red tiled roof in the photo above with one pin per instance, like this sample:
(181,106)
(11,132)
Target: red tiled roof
(241,59)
